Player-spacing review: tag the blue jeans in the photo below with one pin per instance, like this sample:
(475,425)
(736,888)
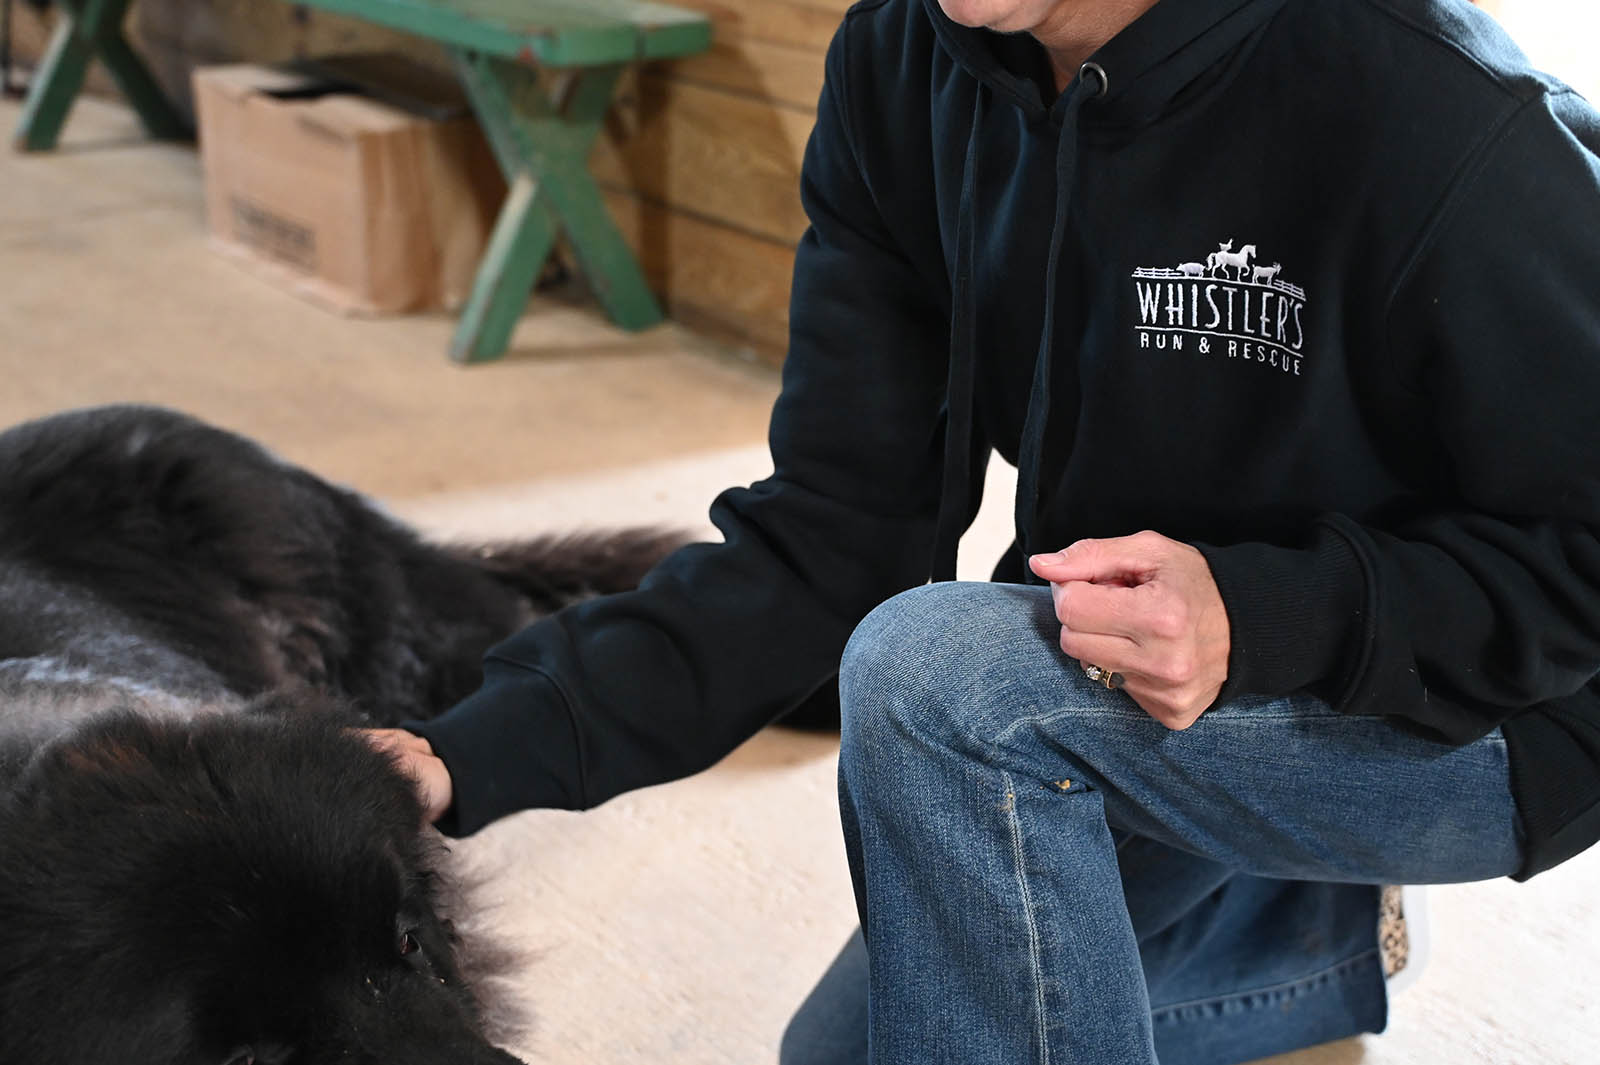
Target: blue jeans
(1046,874)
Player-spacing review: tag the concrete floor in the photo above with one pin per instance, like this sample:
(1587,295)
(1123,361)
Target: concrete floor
(680,924)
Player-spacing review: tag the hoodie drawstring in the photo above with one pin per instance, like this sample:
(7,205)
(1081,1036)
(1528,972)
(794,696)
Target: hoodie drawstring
(953,496)
(1033,427)
(954,501)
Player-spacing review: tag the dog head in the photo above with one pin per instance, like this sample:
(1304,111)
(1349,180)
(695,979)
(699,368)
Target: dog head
(225,891)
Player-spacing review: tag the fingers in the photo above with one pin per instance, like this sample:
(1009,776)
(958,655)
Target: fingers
(1102,609)
(1146,607)
(1119,560)
(1176,707)
(1115,653)
(396,741)
(1168,671)
(1166,682)
(414,757)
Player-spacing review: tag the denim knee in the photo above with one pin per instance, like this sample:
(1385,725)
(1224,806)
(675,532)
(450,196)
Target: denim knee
(888,662)
(924,660)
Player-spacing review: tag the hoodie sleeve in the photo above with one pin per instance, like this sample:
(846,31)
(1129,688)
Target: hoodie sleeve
(1484,600)
(634,689)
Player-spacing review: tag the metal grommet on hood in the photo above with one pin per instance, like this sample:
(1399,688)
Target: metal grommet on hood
(1099,72)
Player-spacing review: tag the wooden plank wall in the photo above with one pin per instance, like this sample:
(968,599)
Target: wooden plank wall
(701,165)
(700,162)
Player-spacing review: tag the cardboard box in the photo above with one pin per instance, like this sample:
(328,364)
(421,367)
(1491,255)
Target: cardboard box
(364,204)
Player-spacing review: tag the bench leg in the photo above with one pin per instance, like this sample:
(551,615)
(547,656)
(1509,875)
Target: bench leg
(605,257)
(86,30)
(161,120)
(517,249)
(544,153)
(54,86)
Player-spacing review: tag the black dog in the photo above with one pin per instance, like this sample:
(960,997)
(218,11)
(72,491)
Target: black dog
(198,863)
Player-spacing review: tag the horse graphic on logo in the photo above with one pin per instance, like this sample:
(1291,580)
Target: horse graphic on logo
(1221,260)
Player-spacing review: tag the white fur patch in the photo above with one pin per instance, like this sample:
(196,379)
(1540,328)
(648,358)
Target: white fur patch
(46,696)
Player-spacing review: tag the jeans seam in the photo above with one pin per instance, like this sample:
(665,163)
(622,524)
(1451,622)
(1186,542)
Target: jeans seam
(1156,1012)
(1035,962)
(1003,739)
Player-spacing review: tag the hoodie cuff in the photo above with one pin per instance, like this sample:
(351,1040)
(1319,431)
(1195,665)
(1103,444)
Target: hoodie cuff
(510,746)
(1297,617)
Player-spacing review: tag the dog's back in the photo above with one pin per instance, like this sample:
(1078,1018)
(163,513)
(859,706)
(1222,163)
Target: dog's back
(179,555)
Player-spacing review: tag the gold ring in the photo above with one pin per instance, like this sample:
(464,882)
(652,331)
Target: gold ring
(1103,676)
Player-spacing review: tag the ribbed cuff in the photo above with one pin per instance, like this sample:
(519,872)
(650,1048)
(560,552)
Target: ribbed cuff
(509,746)
(1297,617)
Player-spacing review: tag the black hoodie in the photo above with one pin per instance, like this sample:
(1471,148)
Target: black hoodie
(1315,287)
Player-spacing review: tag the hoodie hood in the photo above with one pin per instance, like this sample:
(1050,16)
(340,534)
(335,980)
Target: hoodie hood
(1150,65)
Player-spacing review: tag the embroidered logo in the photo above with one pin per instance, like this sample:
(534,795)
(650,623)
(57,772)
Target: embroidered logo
(1228,306)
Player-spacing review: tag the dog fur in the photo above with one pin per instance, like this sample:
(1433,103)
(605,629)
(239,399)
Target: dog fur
(199,863)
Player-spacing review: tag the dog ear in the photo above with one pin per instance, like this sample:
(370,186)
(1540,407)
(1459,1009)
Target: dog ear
(113,747)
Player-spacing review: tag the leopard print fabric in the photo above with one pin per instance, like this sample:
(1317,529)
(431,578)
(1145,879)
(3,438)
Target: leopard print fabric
(1392,938)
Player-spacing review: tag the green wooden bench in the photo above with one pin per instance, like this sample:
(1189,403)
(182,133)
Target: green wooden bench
(542,144)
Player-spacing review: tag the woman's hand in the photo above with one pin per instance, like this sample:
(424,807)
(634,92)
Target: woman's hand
(1146,607)
(415,758)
